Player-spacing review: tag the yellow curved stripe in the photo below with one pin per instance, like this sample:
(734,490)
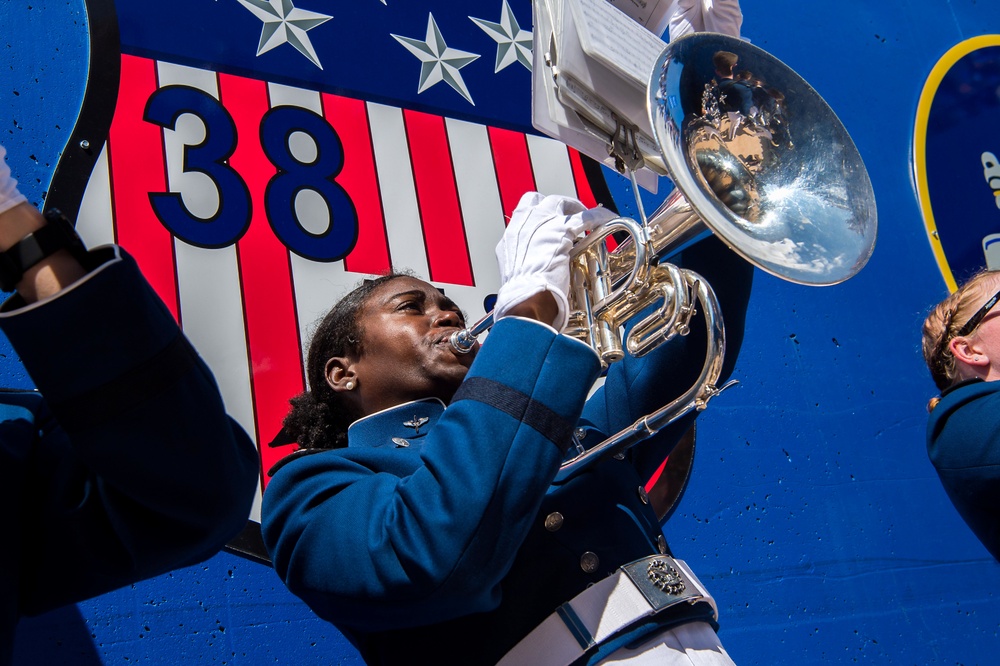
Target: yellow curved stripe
(942,67)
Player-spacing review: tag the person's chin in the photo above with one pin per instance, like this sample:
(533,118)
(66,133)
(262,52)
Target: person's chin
(467,358)
(458,374)
(447,381)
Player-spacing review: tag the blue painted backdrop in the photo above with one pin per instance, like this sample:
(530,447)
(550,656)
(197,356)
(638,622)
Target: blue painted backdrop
(813,514)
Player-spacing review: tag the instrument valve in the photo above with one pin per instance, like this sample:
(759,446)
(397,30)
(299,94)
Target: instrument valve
(683,325)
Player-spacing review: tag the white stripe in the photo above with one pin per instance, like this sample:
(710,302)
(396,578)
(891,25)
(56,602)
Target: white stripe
(482,211)
(399,194)
(95,221)
(212,312)
(211,299)
(318,287)
(550,162)
(282,95)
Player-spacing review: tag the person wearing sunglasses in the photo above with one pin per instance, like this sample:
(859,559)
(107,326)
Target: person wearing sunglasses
(961,345)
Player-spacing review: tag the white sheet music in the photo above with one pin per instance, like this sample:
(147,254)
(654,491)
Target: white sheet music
(591,57)
(614,38)
(653,15)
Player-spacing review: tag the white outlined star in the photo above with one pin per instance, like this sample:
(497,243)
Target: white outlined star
(284,23)
(513,44)
(439,61)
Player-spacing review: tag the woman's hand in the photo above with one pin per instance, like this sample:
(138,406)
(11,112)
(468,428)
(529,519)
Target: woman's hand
(534,256)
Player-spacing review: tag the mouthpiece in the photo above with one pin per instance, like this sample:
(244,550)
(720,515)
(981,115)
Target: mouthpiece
(463,341)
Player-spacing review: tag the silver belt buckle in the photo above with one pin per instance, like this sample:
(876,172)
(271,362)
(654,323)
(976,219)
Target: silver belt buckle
(661,582)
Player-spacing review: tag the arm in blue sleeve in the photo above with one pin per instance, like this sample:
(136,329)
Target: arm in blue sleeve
(370,543)
(139,469)
(637,386)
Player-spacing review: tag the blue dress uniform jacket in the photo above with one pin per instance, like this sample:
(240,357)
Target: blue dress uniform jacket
(963,441)
(448,542)
(129,466)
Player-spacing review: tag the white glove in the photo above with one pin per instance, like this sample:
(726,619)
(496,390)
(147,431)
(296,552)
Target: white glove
(690,16)
(533,254)
(9,196)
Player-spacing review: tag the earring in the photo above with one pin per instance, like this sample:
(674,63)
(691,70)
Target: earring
(349,385)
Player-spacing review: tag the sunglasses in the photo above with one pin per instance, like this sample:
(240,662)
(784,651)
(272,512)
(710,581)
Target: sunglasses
(977,318)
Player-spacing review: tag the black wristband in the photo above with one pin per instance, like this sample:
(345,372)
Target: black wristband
(57,234)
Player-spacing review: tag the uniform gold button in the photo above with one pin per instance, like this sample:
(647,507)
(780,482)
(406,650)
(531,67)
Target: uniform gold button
(661,543)
(589,562)
(643,495)
(553,521)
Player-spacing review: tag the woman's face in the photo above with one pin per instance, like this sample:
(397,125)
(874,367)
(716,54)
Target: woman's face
(977,354)
(988,330)
(406,325)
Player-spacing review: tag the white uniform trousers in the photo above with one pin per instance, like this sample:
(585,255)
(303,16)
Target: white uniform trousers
(691,644)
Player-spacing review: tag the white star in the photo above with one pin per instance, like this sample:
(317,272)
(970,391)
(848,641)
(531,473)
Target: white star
(513,44)
(440,63)
(283,23)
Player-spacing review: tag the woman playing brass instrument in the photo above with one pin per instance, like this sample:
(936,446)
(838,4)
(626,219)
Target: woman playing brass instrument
(961,344)
(423,517)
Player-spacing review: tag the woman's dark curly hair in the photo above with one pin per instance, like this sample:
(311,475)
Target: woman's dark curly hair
(318,418)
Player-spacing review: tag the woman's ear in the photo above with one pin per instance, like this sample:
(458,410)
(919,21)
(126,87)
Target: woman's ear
(340,374)
(968,351)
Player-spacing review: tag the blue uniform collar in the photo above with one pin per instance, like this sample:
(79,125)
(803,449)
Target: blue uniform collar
(964,382)
(397,427)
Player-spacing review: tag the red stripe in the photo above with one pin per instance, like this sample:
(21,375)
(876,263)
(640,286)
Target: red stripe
(656,475)
(265,272)
(513,166)
(583,191)
(135,150)
(349,117)
(437,196)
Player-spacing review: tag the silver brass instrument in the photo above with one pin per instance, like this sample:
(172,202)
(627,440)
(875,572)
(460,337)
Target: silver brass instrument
(783,185)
